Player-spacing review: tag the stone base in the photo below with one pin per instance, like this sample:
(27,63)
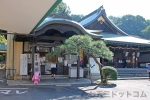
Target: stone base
(18,77)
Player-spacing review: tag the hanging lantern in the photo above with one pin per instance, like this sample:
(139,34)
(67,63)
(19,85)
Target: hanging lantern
(29,56)
(52,48)
(29,46)
(38,48)
(133,53)
(126,54)
(138,54)
(69,56)
(65,62)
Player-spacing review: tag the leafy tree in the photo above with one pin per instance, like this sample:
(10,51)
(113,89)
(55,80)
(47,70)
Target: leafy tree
(3,39)
(61,8)
(146,32)
(2,57)
(92,48)
(76,17)
(147,22)
(132,25)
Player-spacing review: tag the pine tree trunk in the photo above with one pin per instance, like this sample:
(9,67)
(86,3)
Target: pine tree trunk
(100,68)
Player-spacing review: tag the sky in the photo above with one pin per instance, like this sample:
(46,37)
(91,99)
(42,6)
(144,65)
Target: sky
(115,8)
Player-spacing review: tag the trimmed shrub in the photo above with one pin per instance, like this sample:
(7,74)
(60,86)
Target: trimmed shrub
(109,72)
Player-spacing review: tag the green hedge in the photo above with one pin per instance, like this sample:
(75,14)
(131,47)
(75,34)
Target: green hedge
(109,72)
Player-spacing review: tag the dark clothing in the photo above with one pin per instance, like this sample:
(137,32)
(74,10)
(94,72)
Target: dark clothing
(149,75)
(54,71)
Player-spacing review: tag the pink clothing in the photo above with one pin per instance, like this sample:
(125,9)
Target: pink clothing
(36,78)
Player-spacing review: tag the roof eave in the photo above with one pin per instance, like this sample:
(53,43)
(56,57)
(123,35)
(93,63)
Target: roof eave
(48,12)
(127,43)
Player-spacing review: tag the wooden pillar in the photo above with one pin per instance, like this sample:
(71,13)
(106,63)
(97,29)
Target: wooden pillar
(32,65)
(103,61)
(136,59)
(78,67)
(10,56)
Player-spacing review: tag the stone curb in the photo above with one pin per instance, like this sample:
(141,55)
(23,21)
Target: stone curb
(128,78)
(47,84)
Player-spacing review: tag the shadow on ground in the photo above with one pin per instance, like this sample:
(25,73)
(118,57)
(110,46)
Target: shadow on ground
(2,77)
(74,92)
(111,85)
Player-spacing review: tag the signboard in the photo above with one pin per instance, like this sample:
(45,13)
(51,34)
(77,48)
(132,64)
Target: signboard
(94,66)
(23,64)
(37,61)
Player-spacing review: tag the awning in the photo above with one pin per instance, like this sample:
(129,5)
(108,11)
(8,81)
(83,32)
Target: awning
(24,16)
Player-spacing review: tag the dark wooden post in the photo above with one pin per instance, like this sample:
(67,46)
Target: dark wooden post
(78,67)
(32,65)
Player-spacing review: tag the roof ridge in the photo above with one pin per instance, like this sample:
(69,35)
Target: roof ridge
(97,10)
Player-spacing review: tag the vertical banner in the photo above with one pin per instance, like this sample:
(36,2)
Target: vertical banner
(94,68)
(37,62)
(23,64)
(81,53)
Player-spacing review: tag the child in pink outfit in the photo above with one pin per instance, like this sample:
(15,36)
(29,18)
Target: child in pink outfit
(36,78)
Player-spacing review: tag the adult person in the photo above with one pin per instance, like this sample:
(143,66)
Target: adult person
(148,70)
(53,68)
(81,62)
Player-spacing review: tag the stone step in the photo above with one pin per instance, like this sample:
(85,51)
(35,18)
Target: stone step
(57,76)
(137,75)
(48,77)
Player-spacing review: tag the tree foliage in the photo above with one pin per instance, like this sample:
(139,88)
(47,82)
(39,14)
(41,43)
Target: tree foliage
(132,25)
(3,39)
(91,48)
(74,44)
(2,57)
(62,7)
(146,32)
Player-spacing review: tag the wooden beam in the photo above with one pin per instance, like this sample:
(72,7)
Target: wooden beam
(3,33)
(50,38)
(47,44)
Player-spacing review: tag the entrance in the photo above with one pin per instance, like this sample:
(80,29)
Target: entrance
(39,58)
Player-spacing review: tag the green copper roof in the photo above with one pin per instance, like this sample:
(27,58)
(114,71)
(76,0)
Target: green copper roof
(110,37)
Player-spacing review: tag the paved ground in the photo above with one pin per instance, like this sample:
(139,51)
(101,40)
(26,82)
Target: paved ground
(2,78)
(137,89)
(118,90)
